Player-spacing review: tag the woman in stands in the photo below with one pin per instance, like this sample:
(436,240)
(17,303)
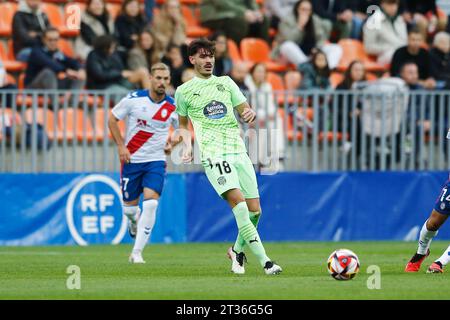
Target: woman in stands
(223,63)
(316,73)
(146,52)
(95,22)
(302,31)
(169,25)
(129,24)
(262,99)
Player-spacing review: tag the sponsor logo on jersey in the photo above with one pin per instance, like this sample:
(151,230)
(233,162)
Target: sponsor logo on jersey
(141,123)
(220,87)
(215,110)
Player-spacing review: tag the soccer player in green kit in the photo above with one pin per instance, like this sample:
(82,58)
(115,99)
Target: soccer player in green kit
(209,102)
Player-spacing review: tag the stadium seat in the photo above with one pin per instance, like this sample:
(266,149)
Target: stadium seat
(336,78)
(193,29)
(66,47)
(114,9)
(10,63)
(75,124)
(7,10)
(257,50)
(277,85)
(10,79)
(46,118)
(354,50)
(57,20)
(233,50)
(99,119)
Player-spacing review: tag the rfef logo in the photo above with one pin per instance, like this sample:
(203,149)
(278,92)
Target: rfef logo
(94,211)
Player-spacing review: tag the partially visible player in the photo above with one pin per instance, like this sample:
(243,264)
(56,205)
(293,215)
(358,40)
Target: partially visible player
(429,230)
(209,102)
(438,265)
(143,153)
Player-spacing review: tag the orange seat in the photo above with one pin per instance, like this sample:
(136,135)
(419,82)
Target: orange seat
(57,20)
(7,10)
(193,29)
(100,124)
(277,86)
(46,118)
(233,50)
(336,78)
(10,64)
(354,50)
(75,124)
(66,47)
(114,9)
(10,79)
(257,50)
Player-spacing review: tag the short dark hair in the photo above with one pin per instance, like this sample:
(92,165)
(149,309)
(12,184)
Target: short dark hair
(407,63)
(414,30)
(199,44)
(104,43)
(50,29)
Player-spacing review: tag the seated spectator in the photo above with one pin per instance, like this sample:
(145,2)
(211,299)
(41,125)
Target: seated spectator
(300,32)
(145,53)
(29,22)
(440,60)
(238,74)
(237,18)
(4,85)
(316,73)
(278,9)
(223,64)
(105,69)
(174,59)
(343,15)
(354,73)
(129,24)
(262,100)
(49,68)
(413,52)
(424,15)
(95,22)
(384,32)
(169,25)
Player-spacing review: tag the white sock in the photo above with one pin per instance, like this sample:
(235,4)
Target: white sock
(145,224)
(130,212)
(425,239)
(445,258)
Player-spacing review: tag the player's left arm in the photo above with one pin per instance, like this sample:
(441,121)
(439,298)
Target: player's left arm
(246,112)
(240,103)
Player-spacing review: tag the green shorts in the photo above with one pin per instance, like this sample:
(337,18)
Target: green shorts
(232,171)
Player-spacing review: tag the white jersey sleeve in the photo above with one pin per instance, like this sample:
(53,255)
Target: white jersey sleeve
(122,109)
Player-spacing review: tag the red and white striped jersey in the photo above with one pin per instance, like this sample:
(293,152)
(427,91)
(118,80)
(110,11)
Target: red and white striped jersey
(147,125)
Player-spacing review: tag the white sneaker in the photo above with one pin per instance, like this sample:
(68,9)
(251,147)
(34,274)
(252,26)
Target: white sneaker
(237,261)
(136,258)
(272,268)
(132,226)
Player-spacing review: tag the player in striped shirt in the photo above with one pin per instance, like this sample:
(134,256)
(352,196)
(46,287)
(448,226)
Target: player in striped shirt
(209,102)
(149,115)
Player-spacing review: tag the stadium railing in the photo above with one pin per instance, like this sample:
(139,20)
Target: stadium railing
(375,126)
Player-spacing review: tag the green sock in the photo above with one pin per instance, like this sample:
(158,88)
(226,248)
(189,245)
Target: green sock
(240,242)
(249,233)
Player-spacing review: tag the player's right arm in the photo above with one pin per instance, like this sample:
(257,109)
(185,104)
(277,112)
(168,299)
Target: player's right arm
(183,134)
(117,114)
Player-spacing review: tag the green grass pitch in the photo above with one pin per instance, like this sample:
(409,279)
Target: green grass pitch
(202,271)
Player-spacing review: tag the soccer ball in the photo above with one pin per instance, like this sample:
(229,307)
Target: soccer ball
(343,264)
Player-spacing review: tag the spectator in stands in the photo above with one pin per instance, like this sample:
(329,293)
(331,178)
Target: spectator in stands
(105,69)
(29,22)
(385,31)
(414,52)
(352,109)
(424,15)
(347,21)
(278,9)
(169,25)
(146,52)
(223,63)
(440,60)
(316,73)
(129,24)
(4,85)
(95,22)
(262,99)
(302,31)
(174,59)
(49,68)
(238,74)
(237,18)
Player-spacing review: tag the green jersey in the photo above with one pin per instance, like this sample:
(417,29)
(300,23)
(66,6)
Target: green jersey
(209,103)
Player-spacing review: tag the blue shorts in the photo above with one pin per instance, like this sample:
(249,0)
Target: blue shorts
(137,176)
(443,202)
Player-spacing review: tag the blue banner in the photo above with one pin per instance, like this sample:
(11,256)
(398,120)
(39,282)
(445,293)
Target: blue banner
(84,209)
